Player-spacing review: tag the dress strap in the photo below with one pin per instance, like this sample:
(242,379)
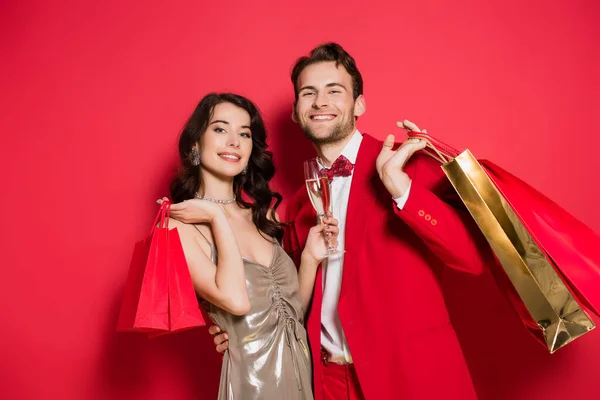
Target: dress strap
(212,246)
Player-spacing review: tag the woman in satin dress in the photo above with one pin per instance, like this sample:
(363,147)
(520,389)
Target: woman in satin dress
(225,213)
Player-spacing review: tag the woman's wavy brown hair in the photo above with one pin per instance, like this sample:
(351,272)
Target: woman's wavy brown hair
(254,184)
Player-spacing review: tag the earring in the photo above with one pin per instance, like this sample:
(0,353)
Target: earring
(195,156)
(245,170)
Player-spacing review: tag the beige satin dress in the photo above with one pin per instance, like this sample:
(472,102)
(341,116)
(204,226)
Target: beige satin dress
(268,356)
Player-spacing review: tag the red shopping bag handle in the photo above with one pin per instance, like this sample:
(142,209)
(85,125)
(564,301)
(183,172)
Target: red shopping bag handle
(162,217)
(167,215)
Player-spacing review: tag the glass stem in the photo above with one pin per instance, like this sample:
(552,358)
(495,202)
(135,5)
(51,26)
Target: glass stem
(330,246)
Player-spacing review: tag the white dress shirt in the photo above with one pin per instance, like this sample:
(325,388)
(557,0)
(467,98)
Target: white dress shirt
(332,334)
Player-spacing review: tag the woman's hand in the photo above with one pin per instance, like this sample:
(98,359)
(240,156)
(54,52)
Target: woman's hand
(194,211)
(316,246)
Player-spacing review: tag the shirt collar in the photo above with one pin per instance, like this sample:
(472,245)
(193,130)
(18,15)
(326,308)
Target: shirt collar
(350,151)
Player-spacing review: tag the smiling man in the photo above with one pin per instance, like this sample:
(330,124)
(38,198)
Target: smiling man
(322,108)
(378,325)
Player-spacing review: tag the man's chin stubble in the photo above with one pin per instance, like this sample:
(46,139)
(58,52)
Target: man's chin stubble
(335,135)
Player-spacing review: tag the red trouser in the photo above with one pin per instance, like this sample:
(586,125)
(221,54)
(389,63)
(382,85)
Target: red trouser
(340,382)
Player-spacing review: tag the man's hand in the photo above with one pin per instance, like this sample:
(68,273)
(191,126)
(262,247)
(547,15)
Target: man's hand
(409,126)
(390,163)
(221,339)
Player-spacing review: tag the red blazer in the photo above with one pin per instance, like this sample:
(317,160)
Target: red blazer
(391,304)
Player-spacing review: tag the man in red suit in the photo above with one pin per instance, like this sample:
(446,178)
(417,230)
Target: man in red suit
(378,325)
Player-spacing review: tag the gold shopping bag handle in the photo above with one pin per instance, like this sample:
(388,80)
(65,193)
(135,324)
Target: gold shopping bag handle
(439,151)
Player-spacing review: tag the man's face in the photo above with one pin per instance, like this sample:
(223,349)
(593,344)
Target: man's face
(326,108)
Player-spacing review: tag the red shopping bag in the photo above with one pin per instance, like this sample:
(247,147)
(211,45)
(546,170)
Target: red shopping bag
(184,311)
(159,293)
(573,247)
(145,305)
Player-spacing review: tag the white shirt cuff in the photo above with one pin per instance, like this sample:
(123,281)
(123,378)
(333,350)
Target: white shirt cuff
(401,201)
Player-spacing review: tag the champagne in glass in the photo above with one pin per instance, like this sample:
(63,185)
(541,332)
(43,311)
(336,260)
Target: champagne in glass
(317,185)
(318,192)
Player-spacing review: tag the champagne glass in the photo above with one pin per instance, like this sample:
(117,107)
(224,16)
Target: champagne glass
(317,185)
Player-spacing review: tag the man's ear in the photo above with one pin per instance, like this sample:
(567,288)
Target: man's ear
(360,106)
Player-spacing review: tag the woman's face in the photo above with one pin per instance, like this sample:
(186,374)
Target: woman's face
(226,145)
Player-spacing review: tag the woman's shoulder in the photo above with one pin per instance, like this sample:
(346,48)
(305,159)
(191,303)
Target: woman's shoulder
(190,229)
(181,226)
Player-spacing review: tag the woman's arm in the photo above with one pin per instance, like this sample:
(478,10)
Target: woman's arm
(307,273)
(312,256)
(224,284)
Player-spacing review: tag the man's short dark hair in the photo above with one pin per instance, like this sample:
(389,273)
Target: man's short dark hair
(329,52)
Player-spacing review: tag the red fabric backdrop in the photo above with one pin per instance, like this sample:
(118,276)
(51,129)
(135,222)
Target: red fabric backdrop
(93,98)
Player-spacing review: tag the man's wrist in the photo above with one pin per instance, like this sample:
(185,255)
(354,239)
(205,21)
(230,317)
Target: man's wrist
(401,201)
(397,184)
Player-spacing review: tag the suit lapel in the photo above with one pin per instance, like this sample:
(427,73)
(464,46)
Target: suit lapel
(362,195)
(304,220)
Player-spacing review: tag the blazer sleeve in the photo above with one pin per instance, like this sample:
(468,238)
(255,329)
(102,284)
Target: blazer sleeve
(436,214)
(291,241)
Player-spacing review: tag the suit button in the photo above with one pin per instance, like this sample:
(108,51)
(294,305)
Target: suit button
(433,222)
(421,213)
(427,217)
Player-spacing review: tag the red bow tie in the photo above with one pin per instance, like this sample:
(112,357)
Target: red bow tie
(340,167)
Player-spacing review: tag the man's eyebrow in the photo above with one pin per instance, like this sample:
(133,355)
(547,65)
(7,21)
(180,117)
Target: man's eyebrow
(307,87)
(333,84)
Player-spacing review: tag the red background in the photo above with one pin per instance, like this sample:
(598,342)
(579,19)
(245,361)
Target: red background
(93,98)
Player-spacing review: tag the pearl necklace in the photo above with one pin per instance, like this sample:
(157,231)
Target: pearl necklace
(230,201)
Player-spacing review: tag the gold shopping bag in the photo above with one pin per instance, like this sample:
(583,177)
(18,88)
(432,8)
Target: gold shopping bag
(525,273)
